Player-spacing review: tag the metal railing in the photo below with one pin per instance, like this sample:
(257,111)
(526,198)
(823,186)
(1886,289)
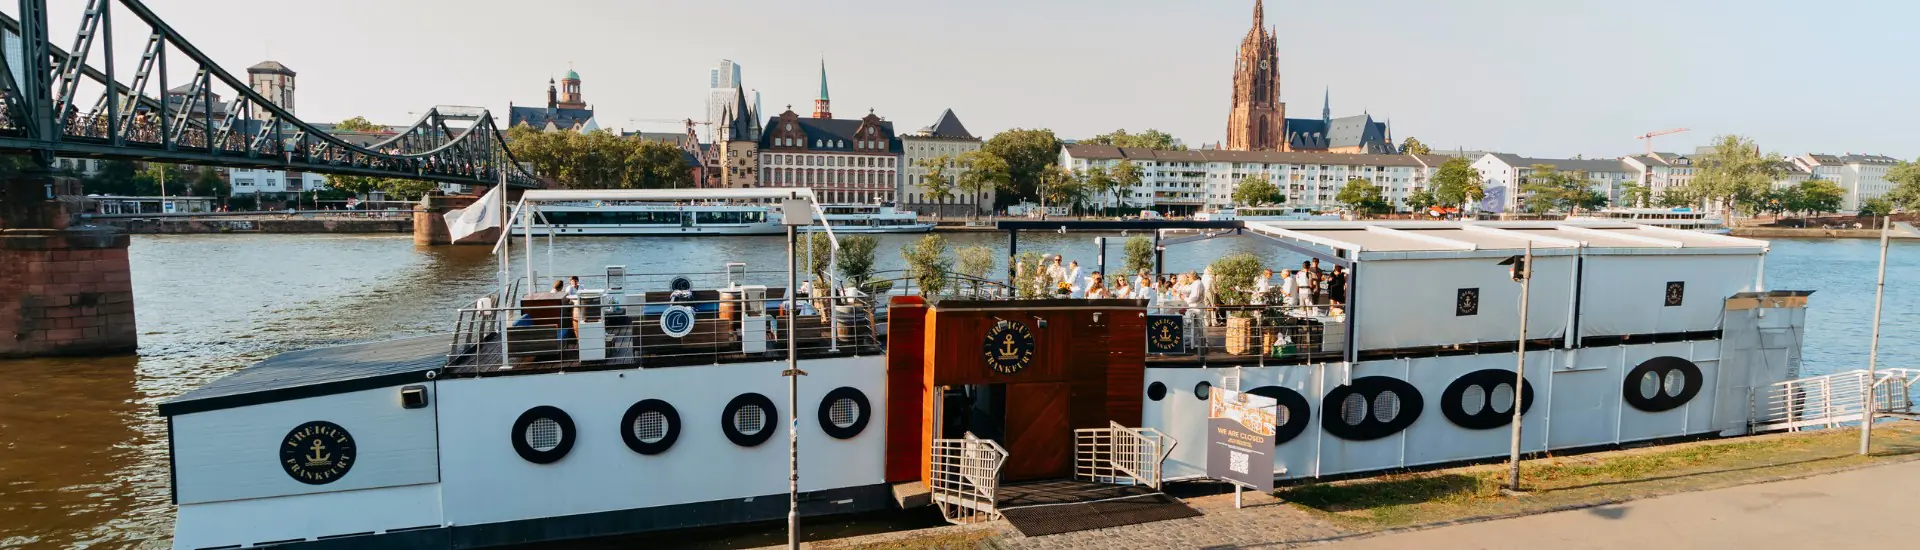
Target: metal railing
(1257,333)
(1120,455)
(1831,400)
(964,479)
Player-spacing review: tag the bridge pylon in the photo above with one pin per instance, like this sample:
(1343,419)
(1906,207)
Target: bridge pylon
(64,289)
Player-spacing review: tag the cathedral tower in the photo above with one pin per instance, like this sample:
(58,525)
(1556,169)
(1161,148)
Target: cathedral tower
(1258,119)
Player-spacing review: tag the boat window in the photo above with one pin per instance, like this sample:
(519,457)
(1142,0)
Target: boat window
(1353,409)
(1502,398)
(723,217)
(1472,400)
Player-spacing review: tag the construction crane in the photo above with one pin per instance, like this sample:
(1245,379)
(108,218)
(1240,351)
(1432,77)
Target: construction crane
(1648,137)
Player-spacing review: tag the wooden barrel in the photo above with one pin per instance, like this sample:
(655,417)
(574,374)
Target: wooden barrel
(729,306)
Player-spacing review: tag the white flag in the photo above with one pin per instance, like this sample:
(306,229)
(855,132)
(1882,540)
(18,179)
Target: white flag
(482,215)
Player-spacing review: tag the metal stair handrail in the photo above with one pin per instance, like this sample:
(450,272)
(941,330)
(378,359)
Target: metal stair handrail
(1121,455)
(1830,400)
(964,478)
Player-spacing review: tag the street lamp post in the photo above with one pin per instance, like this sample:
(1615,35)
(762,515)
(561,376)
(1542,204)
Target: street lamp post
(1873,349)
(1523,273)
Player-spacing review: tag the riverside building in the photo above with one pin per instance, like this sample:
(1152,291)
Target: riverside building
(1183,182)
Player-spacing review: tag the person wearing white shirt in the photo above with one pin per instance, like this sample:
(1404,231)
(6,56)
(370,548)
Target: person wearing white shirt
(1303,282)
(1073,278)
(1261,285)
(1288,287)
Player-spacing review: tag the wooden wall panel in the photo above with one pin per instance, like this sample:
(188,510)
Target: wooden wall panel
(1126,367)
(1039,441)
(906,400)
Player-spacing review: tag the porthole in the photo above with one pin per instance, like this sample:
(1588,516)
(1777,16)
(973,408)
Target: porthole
(1353,410)
(543,434)
(650,427)
(748,420)
(1290,412)
(844,412)
(1473,400)
(1371,407)
(1156,391)
(1483,399)
(1203,391)
(1386,407)
(1662,384)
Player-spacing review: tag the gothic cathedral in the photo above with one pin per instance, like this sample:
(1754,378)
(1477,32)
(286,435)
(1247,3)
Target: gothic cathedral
(1258,120)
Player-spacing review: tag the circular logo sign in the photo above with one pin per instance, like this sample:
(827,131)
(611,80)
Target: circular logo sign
(1165,334)
(677,321)
(1008,347)
(318,452)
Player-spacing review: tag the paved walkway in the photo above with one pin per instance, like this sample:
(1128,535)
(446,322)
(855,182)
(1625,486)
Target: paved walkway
(1865,508)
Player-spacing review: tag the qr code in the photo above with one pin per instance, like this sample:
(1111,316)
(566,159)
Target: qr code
(1237,461)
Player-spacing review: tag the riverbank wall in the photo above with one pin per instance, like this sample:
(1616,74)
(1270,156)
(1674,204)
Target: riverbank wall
(166,226)
(1804,233)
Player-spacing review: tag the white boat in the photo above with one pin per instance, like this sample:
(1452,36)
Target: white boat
(598,217)
(858,218)
(1675,218)
(1266,214)
(659,402)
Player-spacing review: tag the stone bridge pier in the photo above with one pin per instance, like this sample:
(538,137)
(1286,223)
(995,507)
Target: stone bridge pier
(64,289)
(430,218)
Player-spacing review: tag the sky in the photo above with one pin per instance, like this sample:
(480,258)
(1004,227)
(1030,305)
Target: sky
(1543,78)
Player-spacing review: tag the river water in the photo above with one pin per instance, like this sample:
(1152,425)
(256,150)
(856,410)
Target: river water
(83,457)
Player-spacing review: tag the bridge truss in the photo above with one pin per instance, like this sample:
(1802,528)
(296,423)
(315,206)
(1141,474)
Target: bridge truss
(43,87)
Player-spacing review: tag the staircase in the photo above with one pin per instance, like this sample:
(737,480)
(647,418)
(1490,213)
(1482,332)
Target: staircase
(1120,455)
(965,478)
(1831,400)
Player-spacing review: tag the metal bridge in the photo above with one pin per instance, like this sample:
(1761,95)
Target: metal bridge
(42,89)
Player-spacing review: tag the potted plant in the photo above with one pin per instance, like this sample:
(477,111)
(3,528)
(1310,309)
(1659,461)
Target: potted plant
(1232,278)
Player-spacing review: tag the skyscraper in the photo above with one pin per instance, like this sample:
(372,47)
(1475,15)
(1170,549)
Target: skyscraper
(722,79)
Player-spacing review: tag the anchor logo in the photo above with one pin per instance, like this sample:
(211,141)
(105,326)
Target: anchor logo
(1008,347)
(317,453)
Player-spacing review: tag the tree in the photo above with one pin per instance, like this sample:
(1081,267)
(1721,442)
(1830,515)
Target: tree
(1256,190)
(1456,183)
(1420,201)
(1363,198)
(937,184)
(358,124)
(1547,189)
(1150,139)
(983,172)
(1028,155)
(1233,274)
(1818,196)
(207,183)
(1413,146)
(1139,252)
(1058,187)
(1126,176)
(1637,195)
(1731,169)
(976,262)
(1876,207)
(1098,182)
(1905,177)
(601,160)
(856,261)
(1676,197)
(928,264)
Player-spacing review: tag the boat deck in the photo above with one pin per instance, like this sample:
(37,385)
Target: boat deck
(309,372)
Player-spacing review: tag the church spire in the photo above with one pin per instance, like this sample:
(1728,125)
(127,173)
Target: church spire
(1259,14)
(822,106)
(1326,106)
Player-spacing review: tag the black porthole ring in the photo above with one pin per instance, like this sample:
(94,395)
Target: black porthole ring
(1487,380)
(1371,427)
(1203,390)
(1299,412)
(1156,391)
(633,414)
(1661,401)
(769,415)
(859,420)
(549,456)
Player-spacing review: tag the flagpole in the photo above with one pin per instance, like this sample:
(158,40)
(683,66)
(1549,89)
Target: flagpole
(1873,349)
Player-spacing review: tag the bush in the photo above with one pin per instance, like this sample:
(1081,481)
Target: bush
(1139,254)
(976,262)
(1234,273)
(1033,281)
(928,264)
(856,258)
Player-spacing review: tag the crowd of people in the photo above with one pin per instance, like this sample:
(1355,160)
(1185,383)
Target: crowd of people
(1309,290)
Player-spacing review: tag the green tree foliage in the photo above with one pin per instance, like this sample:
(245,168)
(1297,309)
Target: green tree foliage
(1363,198)
(1456,183)
(1150,139)
(358,124)
(983,173)
(1817,197)
(1637,195)
(1233,275)
(928,264)
(1126,176)
(1139,251)
(1027,157)
(976,263)
(1420,201)
(1412,146)
(601,160)
(1097,181)
(117,177)
(1548,189)
(1257,191)
(1733,168)
(1876,207)
(1058,187)
(1032,279)
(1676,197)
(207,183)
(819,257)
(937,184)
(857,259)
(1905,177)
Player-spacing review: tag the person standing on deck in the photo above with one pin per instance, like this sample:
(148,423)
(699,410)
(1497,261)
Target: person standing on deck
(1304,283)
(1337,288)
(1289,287)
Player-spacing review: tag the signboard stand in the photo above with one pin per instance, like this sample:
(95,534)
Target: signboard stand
(1240,440)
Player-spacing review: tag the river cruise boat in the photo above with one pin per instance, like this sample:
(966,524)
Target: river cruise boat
(600,217)
(861,218)
(1676,218)
(1266,214)
(660,401)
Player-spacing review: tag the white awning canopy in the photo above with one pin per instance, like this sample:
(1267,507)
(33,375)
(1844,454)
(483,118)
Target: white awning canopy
(1405,240)
(665,195)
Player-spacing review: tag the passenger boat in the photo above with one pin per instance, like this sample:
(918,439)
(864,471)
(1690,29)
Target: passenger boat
(660,405)
(1676,218)
(600,217)
(1266,214)
(859,218)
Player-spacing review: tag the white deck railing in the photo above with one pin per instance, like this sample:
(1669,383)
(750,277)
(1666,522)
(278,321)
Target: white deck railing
(1120,455)
(1831,400)
(964,480)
